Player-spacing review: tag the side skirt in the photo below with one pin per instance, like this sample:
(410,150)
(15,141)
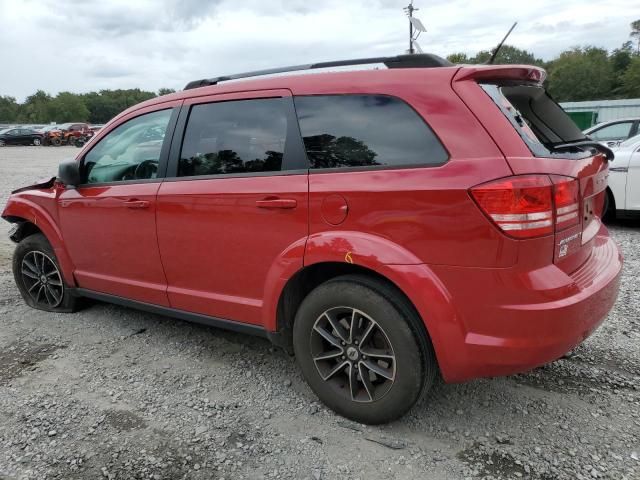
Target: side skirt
(628,214)
(173,313)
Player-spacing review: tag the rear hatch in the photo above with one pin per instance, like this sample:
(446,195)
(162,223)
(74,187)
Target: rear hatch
(560,176)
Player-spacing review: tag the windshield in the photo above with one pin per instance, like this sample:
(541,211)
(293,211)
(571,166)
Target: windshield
(538,119)
(4,130)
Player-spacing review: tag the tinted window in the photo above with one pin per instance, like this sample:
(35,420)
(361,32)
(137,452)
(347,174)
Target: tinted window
(617,131)
(365,130)
(240,136)
(129,152)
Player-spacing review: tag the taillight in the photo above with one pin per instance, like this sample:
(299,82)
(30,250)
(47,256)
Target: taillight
(567,201)
(530,206)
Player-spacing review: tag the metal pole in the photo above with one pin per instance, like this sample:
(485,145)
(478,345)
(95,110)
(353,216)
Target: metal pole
(410,8)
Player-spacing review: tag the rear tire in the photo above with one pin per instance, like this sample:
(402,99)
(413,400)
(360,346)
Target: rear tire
(372,377)
(609,207)
(39,277)
(37,142)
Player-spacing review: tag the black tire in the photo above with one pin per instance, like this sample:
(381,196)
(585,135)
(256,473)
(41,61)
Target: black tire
(53,295)
(414,365)
(609,207)
(37,142)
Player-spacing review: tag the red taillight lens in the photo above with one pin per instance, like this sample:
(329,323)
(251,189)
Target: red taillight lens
(521,206)
(567,201)
(530,206)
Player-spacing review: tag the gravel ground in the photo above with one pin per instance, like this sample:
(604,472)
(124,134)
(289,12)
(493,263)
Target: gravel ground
(115,393)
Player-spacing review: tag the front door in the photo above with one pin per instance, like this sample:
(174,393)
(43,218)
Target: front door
(238,205)
(109,222)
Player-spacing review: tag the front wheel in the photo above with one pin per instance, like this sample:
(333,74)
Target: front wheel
(37,142)
(362,350)
(38,276)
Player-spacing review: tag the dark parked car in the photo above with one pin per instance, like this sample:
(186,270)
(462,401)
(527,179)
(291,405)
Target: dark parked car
(20,136)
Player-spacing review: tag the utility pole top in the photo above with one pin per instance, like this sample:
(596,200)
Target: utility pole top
(414,25)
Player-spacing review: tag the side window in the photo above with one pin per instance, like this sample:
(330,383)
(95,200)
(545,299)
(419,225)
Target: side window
(617,131)
(129,152)
(240,136)
(365,130)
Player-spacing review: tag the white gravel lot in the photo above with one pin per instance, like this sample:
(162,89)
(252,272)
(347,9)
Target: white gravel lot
(114,393)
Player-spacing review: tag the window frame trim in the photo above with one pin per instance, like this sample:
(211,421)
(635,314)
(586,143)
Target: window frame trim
(164,150)
(613,123)
(294,160)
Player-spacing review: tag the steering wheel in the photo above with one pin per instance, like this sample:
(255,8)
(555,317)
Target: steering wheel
(146,169)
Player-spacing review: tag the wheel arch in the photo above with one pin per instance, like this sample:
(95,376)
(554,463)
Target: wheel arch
(414,284)
(31,217)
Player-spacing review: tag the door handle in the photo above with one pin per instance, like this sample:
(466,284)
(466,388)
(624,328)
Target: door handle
(276,203)
(136,204)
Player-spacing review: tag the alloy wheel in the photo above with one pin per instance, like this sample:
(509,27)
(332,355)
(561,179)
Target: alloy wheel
(353,354)
(42,279)
(36,142)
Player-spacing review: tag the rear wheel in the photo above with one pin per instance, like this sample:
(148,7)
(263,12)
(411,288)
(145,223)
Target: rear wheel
(609,208)
(38,276)
(361,350)
(36,142)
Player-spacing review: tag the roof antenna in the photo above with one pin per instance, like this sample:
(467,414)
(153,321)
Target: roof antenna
(497,49)
(414,24)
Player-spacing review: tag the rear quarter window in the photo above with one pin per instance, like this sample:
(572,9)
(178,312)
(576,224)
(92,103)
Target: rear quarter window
(342,131)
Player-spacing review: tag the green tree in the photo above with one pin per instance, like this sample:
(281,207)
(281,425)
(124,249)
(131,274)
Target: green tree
(165,91)
(635,33)
(508,54)
(620,60)
(458,58)
(36,108)
(68,107)
(631,79)
(8,109)
(581,74)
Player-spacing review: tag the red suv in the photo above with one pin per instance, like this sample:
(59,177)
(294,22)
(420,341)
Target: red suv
(384,225)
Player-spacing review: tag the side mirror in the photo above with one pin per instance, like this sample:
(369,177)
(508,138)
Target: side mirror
(69,173)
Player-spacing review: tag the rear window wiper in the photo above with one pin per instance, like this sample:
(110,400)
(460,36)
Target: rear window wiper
(584,143)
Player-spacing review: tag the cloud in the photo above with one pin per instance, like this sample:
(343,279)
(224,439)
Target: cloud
(61,45)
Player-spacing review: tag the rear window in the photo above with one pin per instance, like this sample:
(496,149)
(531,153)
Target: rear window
(538,119)
(341,131)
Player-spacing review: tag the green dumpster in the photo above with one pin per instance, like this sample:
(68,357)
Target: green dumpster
(584,120)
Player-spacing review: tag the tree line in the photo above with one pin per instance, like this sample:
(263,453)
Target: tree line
(92,107)
(580,73)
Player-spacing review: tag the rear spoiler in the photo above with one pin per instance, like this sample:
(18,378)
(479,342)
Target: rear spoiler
(522,73)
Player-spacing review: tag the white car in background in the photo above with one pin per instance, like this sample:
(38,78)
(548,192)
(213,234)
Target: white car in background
(614,132)
(623,192)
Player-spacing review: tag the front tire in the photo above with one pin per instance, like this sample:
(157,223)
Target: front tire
(361,349)
(39,276)
(37,142)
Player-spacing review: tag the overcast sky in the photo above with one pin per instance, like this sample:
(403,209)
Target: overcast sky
(80,46)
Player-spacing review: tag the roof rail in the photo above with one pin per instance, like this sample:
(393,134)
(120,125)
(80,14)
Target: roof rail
(423,60)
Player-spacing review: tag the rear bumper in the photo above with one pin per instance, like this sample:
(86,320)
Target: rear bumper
(509,320)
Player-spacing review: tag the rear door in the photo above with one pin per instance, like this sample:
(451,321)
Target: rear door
(236,207)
